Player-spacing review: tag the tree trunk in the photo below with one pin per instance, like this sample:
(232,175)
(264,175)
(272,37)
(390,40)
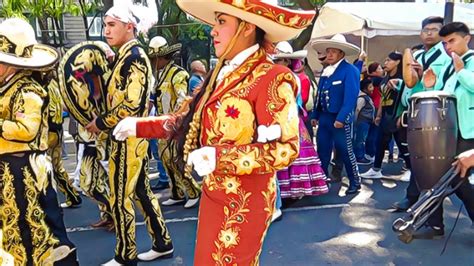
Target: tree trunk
(305,36)
(43,23)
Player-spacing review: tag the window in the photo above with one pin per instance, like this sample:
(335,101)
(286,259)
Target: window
(51,29)
(95,24)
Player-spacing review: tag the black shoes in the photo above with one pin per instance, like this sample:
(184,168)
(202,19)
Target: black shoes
(353,189)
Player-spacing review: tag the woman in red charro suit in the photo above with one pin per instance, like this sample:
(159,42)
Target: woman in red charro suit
(241,128)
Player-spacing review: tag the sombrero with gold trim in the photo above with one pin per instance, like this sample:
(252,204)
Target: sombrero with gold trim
(279,23)
(19,48)
(158,46)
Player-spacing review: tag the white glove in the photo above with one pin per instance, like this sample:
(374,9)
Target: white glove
(204,160)
(266,134)
(126,128)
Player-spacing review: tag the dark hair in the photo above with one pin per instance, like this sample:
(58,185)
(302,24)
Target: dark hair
(186,123)
(259,36)
(395,55)
(432,19)
(372,67)
(364,84)
(454,27)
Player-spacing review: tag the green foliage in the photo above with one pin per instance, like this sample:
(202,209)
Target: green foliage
(42,10)
(12,8)
(175,26)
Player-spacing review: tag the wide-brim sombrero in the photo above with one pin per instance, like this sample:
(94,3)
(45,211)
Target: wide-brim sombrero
(338,41)
(164,50)
(279,24)
(42,57)
(302,54)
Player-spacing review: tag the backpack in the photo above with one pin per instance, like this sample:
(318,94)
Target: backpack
(367,113)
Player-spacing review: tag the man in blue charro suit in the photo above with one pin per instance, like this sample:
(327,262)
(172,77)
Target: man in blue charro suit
(334,106)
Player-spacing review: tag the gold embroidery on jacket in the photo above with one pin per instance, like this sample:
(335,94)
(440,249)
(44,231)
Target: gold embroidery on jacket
(10,215)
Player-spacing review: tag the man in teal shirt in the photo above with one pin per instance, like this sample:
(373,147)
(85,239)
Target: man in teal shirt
(456,78)
(434,57)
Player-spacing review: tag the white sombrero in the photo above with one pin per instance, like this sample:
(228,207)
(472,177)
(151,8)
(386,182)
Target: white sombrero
(338,41)
(285,51)
(279,24)
(158,46)
(19,48)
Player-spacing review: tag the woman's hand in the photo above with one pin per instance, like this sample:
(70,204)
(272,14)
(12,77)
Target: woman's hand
(203,160)
(126,128)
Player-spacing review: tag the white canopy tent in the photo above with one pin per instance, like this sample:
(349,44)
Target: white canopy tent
(380,27)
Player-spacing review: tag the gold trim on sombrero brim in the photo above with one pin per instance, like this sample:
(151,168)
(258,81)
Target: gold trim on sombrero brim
(42,56)
(279,24)
(162,51)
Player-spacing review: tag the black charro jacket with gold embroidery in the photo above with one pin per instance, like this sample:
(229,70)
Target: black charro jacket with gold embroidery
(23,115)
(129,86)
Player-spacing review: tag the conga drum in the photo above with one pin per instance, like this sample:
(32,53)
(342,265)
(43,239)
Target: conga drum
(432,135)
(83,74)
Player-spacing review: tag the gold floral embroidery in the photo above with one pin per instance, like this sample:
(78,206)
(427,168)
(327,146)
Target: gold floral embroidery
(231,185)
(247,161)
(42,167)
(234,121)
(5,44)
(55,103)
(9,215)
(244,159)
(269,196)
(229,235)
(282,154)
(42,238)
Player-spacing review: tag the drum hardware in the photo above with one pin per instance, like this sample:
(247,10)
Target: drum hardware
(443,110)
(426,205)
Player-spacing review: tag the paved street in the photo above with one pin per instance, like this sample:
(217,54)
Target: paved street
(326,230)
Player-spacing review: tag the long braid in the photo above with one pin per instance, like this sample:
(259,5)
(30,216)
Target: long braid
(192,137)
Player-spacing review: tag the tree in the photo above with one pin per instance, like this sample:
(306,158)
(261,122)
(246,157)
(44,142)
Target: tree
(305,36)
(175,26)
(91,7)
(48,13)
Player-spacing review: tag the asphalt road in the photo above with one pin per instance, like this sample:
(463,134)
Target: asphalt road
(327,230)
